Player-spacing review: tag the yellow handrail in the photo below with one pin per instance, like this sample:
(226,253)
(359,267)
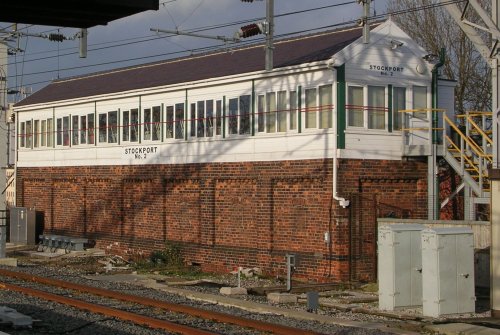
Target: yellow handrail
(472,144)
(474,124)
(471,163)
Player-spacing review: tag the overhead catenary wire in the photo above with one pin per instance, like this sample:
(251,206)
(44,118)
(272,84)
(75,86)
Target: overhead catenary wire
(218,46)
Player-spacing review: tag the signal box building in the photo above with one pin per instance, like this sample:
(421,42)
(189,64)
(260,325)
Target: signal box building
(236,165)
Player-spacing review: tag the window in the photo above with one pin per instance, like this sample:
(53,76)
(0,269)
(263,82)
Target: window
(50,132)
(192,122)
(218,117)
(245,108)
(90,128)
(156,125)
(282,106)
(261,113)
(355,106)
(29,134)
(66,131)
(398,103)
(271,112)
(233,115)
(43,131)
(200,120)
(113,127)
(325,106)
(36,133)
(179,121)
(311,108)
(134,125)
(59,131)
(103,124)
(293,110)
(210,118)
(420,101)
(22,135)
(75,131)
(170,122)
(83,129)
(126,126)
(147,124)
(376,107)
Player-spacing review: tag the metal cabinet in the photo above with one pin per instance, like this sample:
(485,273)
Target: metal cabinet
(399,266)
(22,225)
(447,271)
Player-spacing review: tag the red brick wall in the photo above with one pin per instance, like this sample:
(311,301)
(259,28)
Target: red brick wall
(226,215)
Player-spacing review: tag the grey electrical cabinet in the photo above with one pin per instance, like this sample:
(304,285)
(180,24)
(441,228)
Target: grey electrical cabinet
(22,226)
(399,266)
(447,271)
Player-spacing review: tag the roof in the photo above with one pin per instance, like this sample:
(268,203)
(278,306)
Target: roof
(305,49)
(72,13)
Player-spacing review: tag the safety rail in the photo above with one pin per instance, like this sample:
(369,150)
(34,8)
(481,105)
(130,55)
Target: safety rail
(466,146)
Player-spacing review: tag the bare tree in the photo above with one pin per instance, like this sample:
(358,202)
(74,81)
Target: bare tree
(432,28)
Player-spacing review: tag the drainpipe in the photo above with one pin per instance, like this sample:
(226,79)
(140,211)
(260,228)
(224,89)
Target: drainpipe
(342,201)
(435,119)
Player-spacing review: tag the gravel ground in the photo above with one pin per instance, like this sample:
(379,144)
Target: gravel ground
(53,318)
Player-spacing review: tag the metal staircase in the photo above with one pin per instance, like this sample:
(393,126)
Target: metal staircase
(467,148)
(466,145)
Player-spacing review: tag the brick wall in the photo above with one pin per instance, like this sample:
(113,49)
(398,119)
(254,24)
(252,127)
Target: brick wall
(226,215)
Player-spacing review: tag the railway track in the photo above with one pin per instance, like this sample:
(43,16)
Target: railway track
(141,319)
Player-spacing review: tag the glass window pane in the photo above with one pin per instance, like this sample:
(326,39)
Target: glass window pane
(210,118)
(90,128)
(420,101)
(260,113)
(218,116)
(326,106)
(83,129)
(36,133)
(147,124)
(355,106)
(134,125)
(170,122)
(66,131)
(156,123)
(398,103)
(59,132)
(29,134)
(113,127)
(43,131)
(126,125)
(311,108)
(103,126)
(271,112)
(192,122)
(233,117)
(282,111)
(376,107)
(245,101)
(179,121)
(22,135)
(293,110)
(200,119)
(50,133)
(74,130)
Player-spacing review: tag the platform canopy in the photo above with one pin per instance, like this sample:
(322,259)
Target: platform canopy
(72,13)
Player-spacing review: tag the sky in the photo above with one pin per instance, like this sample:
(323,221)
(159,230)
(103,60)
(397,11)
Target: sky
(130,41)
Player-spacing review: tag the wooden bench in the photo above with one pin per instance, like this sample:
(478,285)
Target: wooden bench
(53,242)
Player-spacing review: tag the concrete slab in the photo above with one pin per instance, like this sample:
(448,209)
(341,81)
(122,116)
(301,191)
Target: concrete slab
(8,261)
(282,298)
(43,254)
(233,291)
(462,329)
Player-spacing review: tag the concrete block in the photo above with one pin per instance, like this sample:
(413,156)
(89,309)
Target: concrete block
(233,291)
(282,298)
(16,319)
(8,261)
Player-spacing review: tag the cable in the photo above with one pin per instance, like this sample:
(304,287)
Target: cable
(215,47)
